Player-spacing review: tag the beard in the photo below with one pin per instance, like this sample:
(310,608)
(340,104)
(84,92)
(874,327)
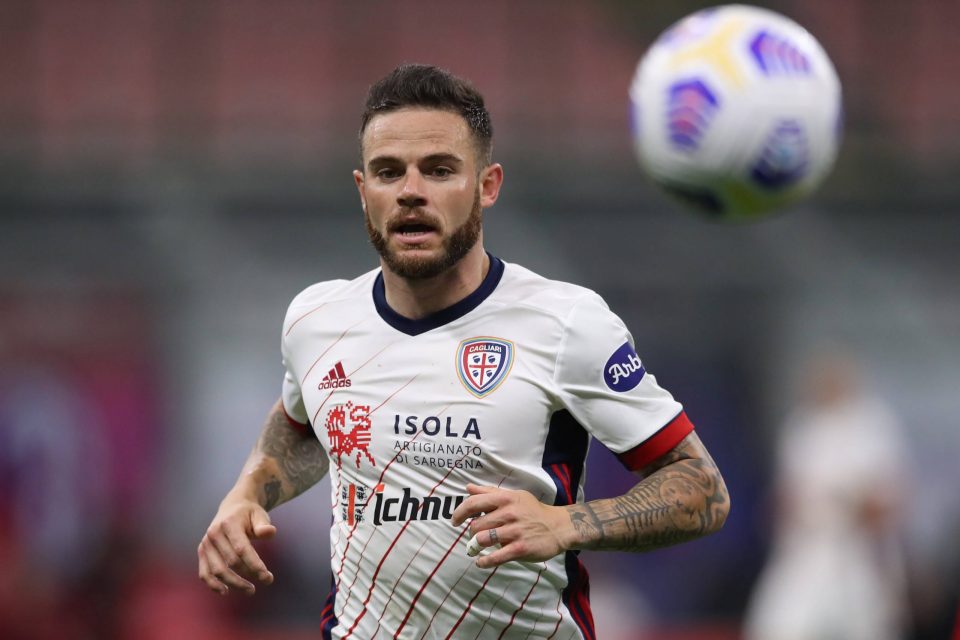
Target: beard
(454,247)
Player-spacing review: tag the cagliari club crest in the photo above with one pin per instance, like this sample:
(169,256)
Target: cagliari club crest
(483,363)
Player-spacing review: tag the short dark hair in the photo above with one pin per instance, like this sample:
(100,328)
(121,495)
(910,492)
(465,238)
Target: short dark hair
(421,85)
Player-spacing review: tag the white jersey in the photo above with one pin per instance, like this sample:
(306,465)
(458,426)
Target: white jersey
(502,389)
(829,575)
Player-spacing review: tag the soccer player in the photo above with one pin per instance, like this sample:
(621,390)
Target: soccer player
(836,569)
(452,396)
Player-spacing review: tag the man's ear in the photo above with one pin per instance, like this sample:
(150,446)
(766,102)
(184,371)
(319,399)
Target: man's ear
(358,178)
(491,178)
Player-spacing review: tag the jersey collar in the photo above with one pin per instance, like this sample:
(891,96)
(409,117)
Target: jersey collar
(444,316)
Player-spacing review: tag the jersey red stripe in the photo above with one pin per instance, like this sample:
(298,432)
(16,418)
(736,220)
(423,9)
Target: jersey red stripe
(575,595)
(393,590)
(379,481)
(294,323)
(299,426)
(326,615)
(442,560)
(339,338)
(584,605)
(413,602)
(564,482)
(559,618)
(470,604)
(352,497)
(390,397)
(370,359)
(442,602)
(523,603)
(314,421)
(578,620)
(373,580)
(564,471)
(660,443)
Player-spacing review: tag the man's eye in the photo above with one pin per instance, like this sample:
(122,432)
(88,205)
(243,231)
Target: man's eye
(387,174)
(442,172)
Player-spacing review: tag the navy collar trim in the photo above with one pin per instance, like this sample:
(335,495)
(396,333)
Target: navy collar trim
(444,316)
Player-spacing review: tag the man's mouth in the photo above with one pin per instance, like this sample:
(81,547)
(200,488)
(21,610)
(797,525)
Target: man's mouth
(413,232)
(414,229)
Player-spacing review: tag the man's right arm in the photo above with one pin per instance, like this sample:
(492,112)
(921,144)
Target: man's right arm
(286,461)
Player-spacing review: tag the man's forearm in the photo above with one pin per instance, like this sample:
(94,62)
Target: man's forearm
(682,499)
(284,463)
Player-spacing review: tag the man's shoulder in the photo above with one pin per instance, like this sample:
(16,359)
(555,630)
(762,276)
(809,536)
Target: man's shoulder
(523,287)
(331,291)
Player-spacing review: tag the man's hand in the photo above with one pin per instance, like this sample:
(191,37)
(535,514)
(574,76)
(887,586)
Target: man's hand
(525,528)
(286,461)
(227,557)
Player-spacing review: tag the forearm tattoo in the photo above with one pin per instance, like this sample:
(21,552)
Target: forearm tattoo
(293,461)
(271,493)
(683,497)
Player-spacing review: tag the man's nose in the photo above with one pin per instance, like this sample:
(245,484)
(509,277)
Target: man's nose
(412,193)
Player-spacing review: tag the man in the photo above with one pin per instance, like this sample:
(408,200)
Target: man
(836,568)
(452,397)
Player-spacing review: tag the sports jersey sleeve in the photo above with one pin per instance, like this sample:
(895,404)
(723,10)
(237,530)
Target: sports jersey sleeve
(291,395)
(602,382)
(293,400)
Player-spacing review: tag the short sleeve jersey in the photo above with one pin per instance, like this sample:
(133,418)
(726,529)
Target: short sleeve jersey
(504,389)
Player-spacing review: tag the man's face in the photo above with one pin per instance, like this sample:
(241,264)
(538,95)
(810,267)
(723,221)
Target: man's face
(422,190)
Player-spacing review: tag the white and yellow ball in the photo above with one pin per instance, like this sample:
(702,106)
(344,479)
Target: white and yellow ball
(736,110)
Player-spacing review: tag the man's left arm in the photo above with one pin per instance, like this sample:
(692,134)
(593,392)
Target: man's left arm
(681,497)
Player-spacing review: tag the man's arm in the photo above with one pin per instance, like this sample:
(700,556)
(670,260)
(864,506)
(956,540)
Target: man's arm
(681,497)
(285,462)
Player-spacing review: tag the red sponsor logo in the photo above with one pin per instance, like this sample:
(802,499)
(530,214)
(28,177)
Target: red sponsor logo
(348,430)
(354,499)
(336,378)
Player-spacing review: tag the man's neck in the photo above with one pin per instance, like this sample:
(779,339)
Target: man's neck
(416,299)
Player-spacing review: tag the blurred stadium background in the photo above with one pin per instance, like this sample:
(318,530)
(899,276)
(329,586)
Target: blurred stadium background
(173,172)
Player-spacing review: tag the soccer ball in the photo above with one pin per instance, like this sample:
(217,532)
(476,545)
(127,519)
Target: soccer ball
(737,110)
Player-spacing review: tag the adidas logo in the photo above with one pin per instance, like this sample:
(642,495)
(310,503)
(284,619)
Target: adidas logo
(335,379)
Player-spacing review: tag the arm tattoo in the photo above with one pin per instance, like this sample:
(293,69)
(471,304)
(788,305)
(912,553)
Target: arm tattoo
(272,492)
(681,498)
(294,460)
(587,524)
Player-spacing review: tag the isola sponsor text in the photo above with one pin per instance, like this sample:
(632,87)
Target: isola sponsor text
(431,426)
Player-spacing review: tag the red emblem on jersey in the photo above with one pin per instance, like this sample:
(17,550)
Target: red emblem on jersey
(354,499)
(483,364)
(357,438)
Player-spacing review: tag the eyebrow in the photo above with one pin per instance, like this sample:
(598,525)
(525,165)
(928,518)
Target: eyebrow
(433,158)
(442,157)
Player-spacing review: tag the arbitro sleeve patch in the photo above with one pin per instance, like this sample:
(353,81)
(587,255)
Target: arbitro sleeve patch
(623,370)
